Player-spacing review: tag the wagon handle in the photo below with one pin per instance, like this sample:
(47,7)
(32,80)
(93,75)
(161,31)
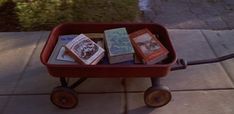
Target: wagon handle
(182,64)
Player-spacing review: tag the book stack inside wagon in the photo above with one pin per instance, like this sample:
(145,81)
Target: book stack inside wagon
(113,46)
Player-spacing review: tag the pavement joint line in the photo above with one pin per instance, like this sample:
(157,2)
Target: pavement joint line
(218,29)
(79,93)
(21,74)
(125,106)
(221,63)
(226,23)
(228,27)
(25,94)
(123,92)
(198,90)
(228,74)
(191,90)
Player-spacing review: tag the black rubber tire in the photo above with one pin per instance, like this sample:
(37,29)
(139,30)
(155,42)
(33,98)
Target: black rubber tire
(157,96)
(64,97)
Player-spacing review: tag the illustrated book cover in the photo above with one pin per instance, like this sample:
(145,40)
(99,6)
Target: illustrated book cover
(118,45)
(84,50)
(147,47)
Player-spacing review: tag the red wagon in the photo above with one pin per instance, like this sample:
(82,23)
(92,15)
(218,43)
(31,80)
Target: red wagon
(157,95)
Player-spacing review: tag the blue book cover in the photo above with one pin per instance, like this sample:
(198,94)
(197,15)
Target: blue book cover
(118,42)
(58,55)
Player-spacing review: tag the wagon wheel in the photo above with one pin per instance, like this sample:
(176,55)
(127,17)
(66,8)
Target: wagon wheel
(64,97)
(157,96)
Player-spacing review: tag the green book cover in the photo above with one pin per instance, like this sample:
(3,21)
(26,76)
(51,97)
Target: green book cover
(118,42)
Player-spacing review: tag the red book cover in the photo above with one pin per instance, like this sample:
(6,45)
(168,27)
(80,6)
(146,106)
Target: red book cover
(148,47)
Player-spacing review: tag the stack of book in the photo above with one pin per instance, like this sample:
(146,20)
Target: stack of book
(62,54)
(141,47)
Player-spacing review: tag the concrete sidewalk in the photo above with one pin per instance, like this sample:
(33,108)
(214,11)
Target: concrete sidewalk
(25,85)
(190,14)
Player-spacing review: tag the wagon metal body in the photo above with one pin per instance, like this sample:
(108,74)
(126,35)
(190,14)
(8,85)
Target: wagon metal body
(104,70)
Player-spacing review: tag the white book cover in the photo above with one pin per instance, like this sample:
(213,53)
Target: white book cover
(85,49)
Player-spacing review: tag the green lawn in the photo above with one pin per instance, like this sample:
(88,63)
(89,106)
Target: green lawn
(45,14)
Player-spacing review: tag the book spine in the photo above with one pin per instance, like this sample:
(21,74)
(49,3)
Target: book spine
(138,52)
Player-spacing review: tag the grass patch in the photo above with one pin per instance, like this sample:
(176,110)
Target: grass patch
(45,14)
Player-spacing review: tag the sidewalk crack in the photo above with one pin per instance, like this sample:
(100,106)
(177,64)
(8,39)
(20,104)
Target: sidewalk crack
(125,107)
